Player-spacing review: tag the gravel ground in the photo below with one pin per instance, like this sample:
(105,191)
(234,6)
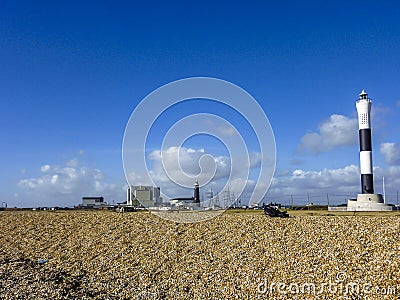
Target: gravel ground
(108,255)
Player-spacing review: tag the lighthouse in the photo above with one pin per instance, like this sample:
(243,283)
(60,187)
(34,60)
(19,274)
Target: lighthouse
(366,200)
(363,105)
(196,194)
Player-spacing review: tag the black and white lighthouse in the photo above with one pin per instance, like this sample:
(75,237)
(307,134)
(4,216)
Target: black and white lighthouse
(363,105)
(367,200)
(196,193)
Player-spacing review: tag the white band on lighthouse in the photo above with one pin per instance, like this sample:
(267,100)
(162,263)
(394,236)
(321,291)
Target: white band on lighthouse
(363,119)
(366,162)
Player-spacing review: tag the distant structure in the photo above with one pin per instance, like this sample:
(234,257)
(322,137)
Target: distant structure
(139,195)
(367,200)
(93,202)
(189,201)
(3,205)
(196,195)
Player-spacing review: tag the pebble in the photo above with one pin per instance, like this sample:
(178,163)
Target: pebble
(107,255)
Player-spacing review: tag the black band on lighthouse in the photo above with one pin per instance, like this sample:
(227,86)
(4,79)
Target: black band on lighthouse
(367,183)
(365,139)
(196,195)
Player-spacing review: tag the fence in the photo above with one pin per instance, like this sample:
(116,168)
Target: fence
(316,199)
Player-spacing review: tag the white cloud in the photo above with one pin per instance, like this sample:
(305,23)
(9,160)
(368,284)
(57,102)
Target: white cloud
(255,159)
(45,168)
(228,131)
(73,162)
(65,185)
(339,184)
(194,164)
(201,165)
(333,180)
(338,130)
(222,126)
(391,153)
(304,185)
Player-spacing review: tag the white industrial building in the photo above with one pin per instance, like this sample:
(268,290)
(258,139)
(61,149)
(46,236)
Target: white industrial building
(147,196)
(94,202)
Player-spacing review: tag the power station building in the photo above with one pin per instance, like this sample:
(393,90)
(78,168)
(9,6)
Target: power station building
(93,202)
(149,196)
(143,195)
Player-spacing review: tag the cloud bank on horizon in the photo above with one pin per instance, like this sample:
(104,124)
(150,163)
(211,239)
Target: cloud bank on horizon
(65,184)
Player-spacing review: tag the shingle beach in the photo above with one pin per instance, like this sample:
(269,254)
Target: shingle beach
(109,255)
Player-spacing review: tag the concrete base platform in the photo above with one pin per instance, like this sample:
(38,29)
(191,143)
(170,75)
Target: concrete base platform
(368,202)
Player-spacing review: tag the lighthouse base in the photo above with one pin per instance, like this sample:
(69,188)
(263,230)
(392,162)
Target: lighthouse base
(368,202)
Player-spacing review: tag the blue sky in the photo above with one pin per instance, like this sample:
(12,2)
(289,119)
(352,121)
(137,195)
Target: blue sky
(71,74)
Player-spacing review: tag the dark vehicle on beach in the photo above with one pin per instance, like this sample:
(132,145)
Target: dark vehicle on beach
(274,212)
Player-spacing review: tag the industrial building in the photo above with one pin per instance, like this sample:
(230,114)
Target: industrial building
(93,202)
(142,195)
